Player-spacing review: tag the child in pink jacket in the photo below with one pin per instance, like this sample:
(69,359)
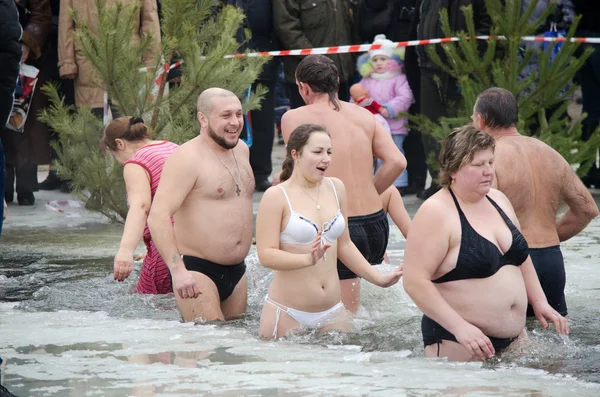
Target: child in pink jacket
(386,83)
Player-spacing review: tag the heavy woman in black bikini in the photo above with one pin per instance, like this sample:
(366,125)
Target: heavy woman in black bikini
(466,264)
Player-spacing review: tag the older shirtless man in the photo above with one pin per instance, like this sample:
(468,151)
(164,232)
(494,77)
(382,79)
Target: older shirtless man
(536,179)
(356,137)
(206,186)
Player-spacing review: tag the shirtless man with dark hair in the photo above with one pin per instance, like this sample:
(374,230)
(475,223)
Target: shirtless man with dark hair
(206,186)
(536,179)
(356,137)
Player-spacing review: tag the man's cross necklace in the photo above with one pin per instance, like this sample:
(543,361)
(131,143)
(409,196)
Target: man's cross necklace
(237,185)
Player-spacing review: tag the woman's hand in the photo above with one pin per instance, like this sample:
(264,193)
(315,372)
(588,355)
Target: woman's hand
(545,312)
(389,279)
(123,265)
(477,344)
(317,250)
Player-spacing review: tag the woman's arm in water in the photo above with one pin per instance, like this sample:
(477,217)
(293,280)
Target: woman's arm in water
(351,256)
(137,182)
(268,227)
(394,206)
(426,248)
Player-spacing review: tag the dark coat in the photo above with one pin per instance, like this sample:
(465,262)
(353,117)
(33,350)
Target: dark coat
(315,23)
(429,25)
(390,17)
(259,20)
(10,57)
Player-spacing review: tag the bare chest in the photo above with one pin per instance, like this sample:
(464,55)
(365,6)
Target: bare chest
(223,180)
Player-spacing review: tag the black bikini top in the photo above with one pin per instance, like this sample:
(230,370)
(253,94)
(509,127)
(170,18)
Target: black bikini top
(480,258)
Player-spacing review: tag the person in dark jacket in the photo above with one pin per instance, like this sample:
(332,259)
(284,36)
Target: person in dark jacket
(259,20)
(48,65)
(436,101)
(316,23)
(36,21)
(10,58)
(389,17)
(589,78)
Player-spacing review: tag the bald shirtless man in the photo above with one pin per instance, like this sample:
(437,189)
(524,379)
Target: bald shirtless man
(356,137)
(206,186)
(536,179)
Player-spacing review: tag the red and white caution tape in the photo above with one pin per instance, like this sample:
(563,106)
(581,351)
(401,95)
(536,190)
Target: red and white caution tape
(345,49)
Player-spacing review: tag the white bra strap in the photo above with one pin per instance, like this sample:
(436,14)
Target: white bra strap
(334,192)
(286,197)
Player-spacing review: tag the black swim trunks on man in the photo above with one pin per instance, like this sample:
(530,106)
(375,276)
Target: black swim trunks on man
(224,277)
(434,333)
(550,268)
(370,234)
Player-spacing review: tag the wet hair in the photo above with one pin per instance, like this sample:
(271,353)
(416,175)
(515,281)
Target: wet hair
(498,108)
(131,129)
(321,75)
(298,139)
(459,148)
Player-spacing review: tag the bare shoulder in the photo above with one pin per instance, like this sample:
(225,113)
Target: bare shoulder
(500,199)
(359,114)
(292,116)
(338,184)
(273,197)
(181,156)
(434,210)
(505,204)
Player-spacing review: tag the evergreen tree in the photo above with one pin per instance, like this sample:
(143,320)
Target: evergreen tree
(192,30)
(504,63)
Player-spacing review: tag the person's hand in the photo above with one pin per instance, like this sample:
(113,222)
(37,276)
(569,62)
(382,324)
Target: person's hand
(5,210)
(318,250)
(545,312)
(477,344)
(69,76)
(276,180)
(384,112)
(25,51)
(184,284)
(389,279)
(123,265)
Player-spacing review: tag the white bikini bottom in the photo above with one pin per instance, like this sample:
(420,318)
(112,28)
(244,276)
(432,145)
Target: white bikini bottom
(306,319)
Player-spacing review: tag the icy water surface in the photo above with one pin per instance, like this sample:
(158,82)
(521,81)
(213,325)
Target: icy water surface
(67,329)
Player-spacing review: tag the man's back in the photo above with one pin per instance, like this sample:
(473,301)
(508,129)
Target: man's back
(536,179)
(352,131)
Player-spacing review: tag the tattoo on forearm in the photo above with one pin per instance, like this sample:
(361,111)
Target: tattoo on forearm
(175,259)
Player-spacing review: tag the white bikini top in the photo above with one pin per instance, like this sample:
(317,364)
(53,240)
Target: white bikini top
(300,230)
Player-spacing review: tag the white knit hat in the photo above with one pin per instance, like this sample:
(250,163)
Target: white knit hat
(387,51)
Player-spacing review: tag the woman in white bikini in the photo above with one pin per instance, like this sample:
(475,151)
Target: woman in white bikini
(300,233)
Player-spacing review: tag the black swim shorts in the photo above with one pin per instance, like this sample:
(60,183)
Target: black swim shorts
(550,268)
(224,277)
(370,234)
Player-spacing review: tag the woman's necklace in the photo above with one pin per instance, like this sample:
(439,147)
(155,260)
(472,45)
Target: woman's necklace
(237,185)
(317,200)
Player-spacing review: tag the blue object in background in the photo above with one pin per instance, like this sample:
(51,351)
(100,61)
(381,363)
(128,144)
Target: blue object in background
(248,122)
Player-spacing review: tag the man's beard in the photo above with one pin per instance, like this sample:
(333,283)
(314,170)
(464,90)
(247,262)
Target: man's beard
(220,140)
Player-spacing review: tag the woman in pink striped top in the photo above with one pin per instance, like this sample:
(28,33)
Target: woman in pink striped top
(127,139)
